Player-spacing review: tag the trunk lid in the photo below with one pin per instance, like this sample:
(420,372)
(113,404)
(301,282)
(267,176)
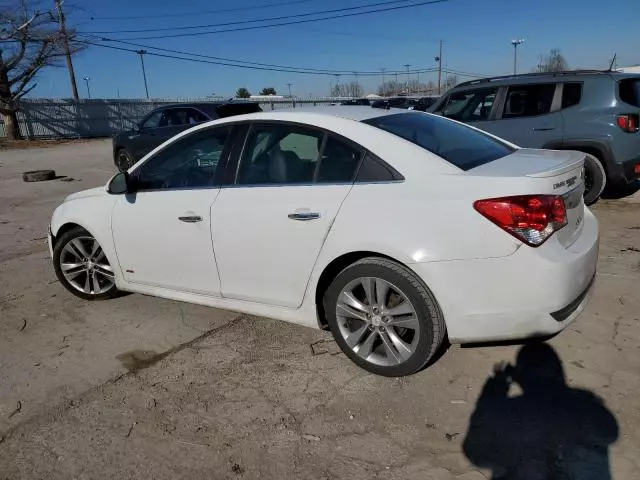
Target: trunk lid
(552,172)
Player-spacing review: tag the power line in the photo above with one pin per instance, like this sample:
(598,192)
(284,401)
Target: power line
(203,12)
(259,20)
(223,59)
(250,67)
(294,22)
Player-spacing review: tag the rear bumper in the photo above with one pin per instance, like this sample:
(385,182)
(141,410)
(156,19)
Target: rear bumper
(623,172)
(531,293)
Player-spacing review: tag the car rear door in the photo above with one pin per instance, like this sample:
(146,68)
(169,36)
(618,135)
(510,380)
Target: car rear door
(529,116)
(269,226)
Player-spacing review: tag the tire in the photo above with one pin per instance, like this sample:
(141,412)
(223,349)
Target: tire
(124,160)
(370,339)
(39,175)
(83,268)
(595,179)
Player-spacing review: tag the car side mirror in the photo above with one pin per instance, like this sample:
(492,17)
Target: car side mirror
(136,128)
(120,183)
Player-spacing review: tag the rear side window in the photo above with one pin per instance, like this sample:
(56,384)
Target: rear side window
(375,170)
(629,91)
(339,162)
(529,100)
(571,94)
(458,144)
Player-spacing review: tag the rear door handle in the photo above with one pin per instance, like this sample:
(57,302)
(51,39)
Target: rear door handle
(190,219)
(304,216)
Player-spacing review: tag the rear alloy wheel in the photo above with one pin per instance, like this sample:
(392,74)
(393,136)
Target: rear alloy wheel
(383,317)
(595,179)
(124,160)
(82,266)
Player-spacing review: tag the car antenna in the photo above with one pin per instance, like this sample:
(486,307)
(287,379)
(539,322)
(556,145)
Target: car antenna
(613,61)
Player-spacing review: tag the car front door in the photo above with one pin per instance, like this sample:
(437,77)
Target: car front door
(530,116)
(162,232)
(269,227)
(475,107)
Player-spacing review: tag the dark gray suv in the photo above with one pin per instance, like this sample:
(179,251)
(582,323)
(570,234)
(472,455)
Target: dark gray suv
(595,112)
(163,123)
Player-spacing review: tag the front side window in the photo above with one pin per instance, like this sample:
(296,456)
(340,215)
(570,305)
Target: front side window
(529,100)
(153,120)
(470,106)
(279,154)
(191,162)
(458,144)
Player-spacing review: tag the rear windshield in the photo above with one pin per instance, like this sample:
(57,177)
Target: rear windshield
(630,91)
(458,144)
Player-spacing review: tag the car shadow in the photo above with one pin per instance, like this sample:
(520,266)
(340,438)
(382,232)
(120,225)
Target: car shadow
(618,192)
(547,431)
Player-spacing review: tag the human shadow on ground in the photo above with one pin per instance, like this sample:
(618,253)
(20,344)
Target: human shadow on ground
(549,431)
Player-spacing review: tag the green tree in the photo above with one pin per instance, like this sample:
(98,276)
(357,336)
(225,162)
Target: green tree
(242,92)
(268,91)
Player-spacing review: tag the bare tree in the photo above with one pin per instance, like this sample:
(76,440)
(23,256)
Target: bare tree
(349,89)
(554,62)
(30,40)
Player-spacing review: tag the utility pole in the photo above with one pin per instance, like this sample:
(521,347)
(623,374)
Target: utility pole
(86,80)
(396,85)
(439,60)
(516,43)
(383,82)
(356,92)
(289,85)
(144,74)
(406,84)
(67,50)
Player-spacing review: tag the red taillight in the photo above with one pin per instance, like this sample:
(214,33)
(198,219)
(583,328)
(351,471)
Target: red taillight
(530,218)
(628,123)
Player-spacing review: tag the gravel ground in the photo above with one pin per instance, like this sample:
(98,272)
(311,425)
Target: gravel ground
(140,387)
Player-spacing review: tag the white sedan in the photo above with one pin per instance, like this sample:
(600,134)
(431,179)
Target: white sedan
(391,228)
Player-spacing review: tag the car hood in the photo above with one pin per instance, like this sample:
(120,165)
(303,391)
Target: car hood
(92,192)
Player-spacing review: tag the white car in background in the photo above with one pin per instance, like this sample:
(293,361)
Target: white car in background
(391,228)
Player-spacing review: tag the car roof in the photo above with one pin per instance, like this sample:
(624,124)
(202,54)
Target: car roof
(358,113)
(206,107)
(537,77)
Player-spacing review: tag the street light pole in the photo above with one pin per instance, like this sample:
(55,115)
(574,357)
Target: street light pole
(383,82)
(406,85)
(439,60)
(357,89)
(144,73)
(86,80)
(516,43)
(289,85)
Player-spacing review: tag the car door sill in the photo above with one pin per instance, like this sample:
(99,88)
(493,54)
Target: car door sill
(177,290)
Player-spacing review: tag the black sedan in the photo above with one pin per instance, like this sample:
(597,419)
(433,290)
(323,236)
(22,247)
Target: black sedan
(409,103)
(165,122)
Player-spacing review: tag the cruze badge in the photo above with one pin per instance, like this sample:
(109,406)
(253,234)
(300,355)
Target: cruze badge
(569,182)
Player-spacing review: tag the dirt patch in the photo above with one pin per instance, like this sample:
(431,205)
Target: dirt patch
(24,144)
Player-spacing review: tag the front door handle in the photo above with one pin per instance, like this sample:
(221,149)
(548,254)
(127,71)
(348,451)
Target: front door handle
(191,219)
(304,216)
(543,129)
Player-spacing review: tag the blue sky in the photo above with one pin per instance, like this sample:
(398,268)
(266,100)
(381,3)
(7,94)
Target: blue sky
(476,35)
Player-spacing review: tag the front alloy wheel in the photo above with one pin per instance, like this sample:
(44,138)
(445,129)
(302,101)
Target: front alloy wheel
(82,266)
